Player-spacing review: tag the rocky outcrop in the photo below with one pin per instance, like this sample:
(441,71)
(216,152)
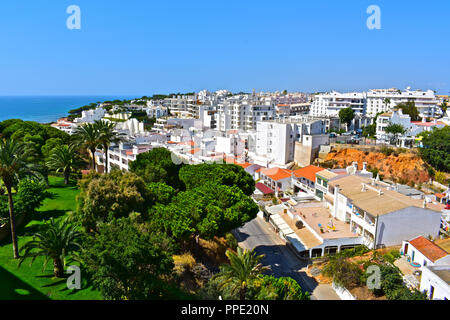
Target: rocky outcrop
(405,167)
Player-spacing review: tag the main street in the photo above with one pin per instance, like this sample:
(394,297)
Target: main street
(259,235)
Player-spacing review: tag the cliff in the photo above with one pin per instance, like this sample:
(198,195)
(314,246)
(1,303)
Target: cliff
(403,167)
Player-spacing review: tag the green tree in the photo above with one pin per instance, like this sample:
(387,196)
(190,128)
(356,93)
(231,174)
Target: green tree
(126,262)
(49,145)
(267,287)
(56,240)
(244,268)
(396,130)
(206,211)
(436,148)
(158,165)
(89,135)
(343,272)
(346,116)
(65,159)
(107,135)
(224,174)
(115,195)
(13,166)
(410,109)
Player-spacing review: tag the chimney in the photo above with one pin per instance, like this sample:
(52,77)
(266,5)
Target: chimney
(364,166)
(355,164)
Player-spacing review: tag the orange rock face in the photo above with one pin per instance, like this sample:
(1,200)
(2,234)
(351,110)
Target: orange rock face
(404,167)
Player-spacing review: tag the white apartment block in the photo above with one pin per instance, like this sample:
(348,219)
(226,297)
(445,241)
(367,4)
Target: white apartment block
(275,140)
(329,104)
(382,100)
(373,101)
(243,115)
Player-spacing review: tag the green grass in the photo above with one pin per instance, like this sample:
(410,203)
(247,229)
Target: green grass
(31,282)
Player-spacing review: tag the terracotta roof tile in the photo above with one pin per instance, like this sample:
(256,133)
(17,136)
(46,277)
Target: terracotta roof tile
(308,172)
(429,249)
(277,173)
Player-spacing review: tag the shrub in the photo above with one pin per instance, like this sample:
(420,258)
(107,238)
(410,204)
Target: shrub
(231,241)
(343,272)
(184,262)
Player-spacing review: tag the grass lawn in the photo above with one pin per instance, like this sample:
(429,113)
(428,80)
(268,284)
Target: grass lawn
(31,282)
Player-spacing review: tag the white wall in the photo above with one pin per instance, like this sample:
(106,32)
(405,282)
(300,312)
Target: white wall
(429,278)
(407,223)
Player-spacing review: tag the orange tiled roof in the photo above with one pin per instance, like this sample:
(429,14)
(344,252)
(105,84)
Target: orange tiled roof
(277,173)
(308,172)
(428,249)
(440,195)
(244,165)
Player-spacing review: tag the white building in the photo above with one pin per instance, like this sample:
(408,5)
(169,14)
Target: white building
(381,216)
(275,140)
(435,282)
(374,101)
(90,116)
(329,104)
(425,252)
(382,100)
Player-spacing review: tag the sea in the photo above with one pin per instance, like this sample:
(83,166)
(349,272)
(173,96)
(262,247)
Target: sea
(46,109)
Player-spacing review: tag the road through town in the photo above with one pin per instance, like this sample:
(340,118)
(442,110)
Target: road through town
(259,235)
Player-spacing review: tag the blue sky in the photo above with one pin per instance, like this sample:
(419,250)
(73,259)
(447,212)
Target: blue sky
(142,47)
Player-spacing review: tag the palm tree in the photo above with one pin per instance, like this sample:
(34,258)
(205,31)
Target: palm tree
(13,165)
(89,135)
(108,135)
(56,241)
(244,267)
(65,159)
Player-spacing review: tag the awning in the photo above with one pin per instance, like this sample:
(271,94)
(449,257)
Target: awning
(263,188)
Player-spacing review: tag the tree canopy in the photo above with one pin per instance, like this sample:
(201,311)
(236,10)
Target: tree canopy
(436,148)
(207,211)
(347,115)
(224,174)
(157,165)
(126,262)
(104,197)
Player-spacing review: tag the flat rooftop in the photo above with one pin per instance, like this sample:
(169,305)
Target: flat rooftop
(315,216)
(372,201)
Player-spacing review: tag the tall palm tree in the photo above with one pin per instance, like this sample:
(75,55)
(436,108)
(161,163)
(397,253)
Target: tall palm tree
(108,135)
(56,240)
(244,267)
(14,165)
(65,159)
(89,135)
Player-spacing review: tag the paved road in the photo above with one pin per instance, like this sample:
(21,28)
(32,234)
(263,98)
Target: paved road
(259,235)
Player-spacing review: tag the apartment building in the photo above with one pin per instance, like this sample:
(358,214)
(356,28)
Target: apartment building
(381,216)
(329,104)
(243,115)
(374,101)
(275,140)
(382,100)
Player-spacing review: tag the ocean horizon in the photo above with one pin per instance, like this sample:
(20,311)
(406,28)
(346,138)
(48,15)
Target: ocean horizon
(46,109)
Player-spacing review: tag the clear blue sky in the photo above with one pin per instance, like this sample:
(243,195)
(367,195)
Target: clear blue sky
(139,47)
